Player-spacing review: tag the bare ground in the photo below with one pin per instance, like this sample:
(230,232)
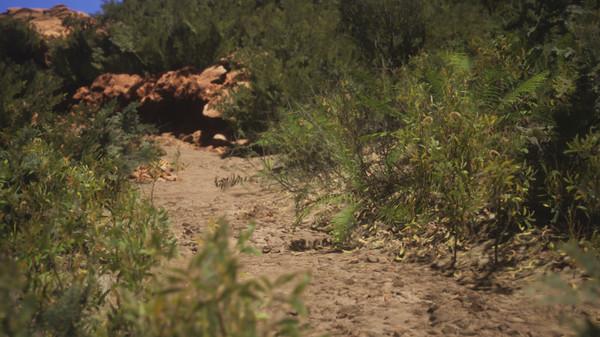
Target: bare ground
(357,293)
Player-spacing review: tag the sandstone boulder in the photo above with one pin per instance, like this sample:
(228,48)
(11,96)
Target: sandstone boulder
(110,86)
(184,102)
(184,84)
(49,23)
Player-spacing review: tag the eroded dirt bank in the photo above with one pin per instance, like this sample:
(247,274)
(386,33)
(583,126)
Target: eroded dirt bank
(358,293)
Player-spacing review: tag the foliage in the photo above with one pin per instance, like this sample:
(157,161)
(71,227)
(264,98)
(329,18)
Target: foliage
(454,161)
(486,132)
(19,83)
(574,193)
(85,54)
(478,116)
(79,248)
(387,31)
(164,35)
(208,298)
(292,51)
(18,43)
(22,77)
(322,149)
(425,154)
(587,292)
(71,229)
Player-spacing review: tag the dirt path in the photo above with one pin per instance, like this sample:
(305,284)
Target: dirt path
(360,293)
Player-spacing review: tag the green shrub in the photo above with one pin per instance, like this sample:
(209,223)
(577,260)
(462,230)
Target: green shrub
(487,140)
(325,149)
(19,44)
(574,191)
(292,52)
(74,239)
(72,228)
(587,292)
(88,52)
(388,32)
(115,135)
(208,298)
(164,35)
(27,96)
(454,161)
(566,45)
(79,248)
(426,148)
(138,37)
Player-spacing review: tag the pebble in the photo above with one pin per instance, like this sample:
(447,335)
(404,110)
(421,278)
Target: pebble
(372,259)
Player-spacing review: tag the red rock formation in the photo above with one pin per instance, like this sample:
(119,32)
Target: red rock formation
(182,101)
(110,86)
(49,23)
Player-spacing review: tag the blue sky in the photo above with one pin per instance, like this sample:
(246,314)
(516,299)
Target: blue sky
(90,6)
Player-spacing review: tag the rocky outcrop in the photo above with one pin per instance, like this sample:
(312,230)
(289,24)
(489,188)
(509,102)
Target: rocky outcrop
(49,23)
(184,102)
(110,86)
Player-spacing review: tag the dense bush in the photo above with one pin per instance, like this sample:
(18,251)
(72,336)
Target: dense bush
(71,229)
(18,43)
(22,76)
(209,294)
(292,52)
(19,84)
(477,117)
(417,151)
(387,31)
(487,134)
(79,247)
(165,35)
(587,292)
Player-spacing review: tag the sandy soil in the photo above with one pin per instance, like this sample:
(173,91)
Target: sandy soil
(358,293)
